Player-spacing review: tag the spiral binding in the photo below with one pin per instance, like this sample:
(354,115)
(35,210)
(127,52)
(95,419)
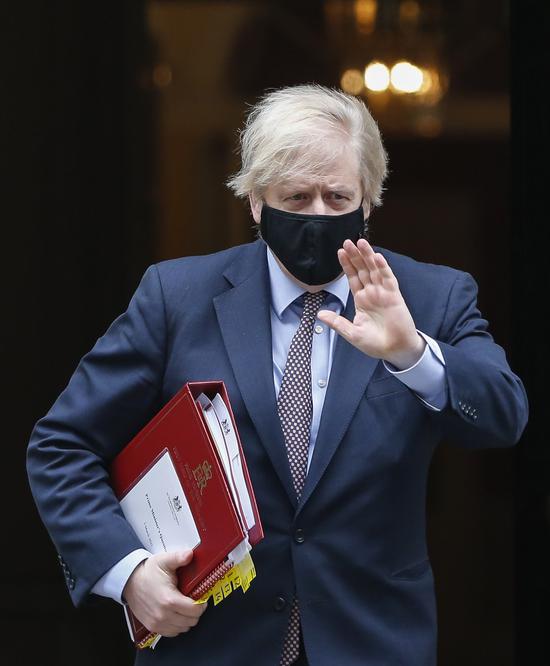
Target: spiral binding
(213,577)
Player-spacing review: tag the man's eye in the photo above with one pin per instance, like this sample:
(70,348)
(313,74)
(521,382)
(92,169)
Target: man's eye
(296,197)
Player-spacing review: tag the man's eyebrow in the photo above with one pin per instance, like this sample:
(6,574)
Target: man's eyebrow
(344,189)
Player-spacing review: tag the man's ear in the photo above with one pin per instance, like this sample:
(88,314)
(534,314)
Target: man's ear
(256,207)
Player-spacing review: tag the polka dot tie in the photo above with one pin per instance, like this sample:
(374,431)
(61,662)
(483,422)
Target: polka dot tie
(295,409)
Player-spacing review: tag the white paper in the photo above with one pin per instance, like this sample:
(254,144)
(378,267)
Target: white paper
(233,450)
(219,440)
(158,511)
(238,553)
(220,426)
(129,622)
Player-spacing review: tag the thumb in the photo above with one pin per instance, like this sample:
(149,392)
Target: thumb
(340,324)
(173,560)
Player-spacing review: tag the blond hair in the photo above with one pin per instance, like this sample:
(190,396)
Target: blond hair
(290,132)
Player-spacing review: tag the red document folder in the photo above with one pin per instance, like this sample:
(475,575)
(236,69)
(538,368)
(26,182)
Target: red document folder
(180,429)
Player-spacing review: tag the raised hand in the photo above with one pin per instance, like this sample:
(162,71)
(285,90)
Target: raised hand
(383,326)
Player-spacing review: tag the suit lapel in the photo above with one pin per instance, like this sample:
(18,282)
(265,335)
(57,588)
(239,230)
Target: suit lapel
(350,373)
(244,317)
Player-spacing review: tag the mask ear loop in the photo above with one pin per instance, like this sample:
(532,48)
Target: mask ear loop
(366,227)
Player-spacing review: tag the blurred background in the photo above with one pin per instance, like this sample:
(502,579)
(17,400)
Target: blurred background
(119,130)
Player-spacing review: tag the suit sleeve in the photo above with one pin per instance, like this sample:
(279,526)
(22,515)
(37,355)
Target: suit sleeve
(487,403)
(112,394)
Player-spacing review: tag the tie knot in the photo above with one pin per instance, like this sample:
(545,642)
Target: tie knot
(312,304)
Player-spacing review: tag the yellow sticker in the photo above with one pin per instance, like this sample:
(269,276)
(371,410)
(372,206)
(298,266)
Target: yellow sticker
(240,575)
(246,563)
(227,587)
(217,594)
(147,642)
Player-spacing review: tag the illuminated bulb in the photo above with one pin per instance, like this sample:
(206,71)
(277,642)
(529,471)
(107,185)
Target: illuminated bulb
(377,77)
(352,81)
(406,78)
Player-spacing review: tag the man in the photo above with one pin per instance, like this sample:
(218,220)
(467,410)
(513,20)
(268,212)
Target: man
(345,366)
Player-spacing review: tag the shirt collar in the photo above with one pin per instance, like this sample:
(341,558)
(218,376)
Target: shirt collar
(284,290)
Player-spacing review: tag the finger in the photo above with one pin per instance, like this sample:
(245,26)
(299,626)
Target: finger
(365,247)
(359,272)
(200,605)
(358,261)
(174,626)
(382,265)
(355,283)
(367,252)
(368,255)
(184,606)
(172,616)
(166,622)
(171,627)
(173,560)
(385,272)
(340,324)
(181,619)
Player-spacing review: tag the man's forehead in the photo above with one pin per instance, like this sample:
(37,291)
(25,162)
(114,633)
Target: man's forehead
(333,181)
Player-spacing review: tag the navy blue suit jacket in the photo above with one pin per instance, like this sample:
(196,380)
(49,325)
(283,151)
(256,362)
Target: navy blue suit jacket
(360,569)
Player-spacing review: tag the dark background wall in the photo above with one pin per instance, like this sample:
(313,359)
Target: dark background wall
(112,161)
(529,297)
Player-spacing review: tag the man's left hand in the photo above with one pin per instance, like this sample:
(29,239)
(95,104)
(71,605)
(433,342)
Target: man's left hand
(383,326)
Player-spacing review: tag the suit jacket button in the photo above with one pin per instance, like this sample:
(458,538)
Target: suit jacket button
(279,604)
(71,584)
(299,536)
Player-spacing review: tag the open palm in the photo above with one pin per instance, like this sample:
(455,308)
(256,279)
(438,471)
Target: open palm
(383,326)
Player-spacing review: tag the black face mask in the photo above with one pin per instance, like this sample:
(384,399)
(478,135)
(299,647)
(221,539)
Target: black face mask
(307,245)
